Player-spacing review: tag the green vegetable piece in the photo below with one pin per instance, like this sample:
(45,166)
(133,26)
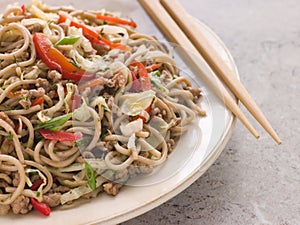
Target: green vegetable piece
(10,136)
(154,77)
(69,40)
(15,61)
(90,176)
(156,73)
(56,123)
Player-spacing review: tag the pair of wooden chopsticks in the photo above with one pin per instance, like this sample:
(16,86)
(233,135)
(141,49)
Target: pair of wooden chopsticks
(181,29)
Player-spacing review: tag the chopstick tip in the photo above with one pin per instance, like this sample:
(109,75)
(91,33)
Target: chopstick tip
(279,142)
(254,132)
(275,136)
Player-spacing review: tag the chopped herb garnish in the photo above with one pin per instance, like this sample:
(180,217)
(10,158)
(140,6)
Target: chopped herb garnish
(117,91)
(90,176)
(103,136)
(53,87)
(80,143)
(32,173)
(24,97)
(105,108)
(69,40)
(156,73)
(55,123)
(38,194)
(74,64)
(8,107)
(154,77)
(102,31)
(10,136)
(15,61)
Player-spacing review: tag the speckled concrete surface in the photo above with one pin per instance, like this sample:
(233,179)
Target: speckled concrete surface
(253,182)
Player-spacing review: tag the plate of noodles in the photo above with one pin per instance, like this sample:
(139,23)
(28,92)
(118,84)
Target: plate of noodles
(101,119)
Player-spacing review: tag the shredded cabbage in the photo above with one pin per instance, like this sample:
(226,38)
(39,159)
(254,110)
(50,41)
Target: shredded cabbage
(100,101)
(157,82)
(76,193)
(134,103)
(40,189)
(132,147)
(70,91)
(132,127)
(36,11)
(82,113)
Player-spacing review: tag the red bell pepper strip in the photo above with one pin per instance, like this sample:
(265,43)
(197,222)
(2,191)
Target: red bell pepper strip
(153,67)
(142,75)
(60,135)
(148,109)
(116,20)
(75,102)
(115,45)
(23,8)
(93,36)
(61,18)
(92,83)
(40,206)
(135,83)
(55,60)
(38,101)
(36,184)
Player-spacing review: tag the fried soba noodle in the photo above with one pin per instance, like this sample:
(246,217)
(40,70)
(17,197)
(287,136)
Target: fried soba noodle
(86,102)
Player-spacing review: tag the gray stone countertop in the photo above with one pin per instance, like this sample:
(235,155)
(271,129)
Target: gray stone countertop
(253,181)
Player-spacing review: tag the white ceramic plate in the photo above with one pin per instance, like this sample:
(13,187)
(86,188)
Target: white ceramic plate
(196,151)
